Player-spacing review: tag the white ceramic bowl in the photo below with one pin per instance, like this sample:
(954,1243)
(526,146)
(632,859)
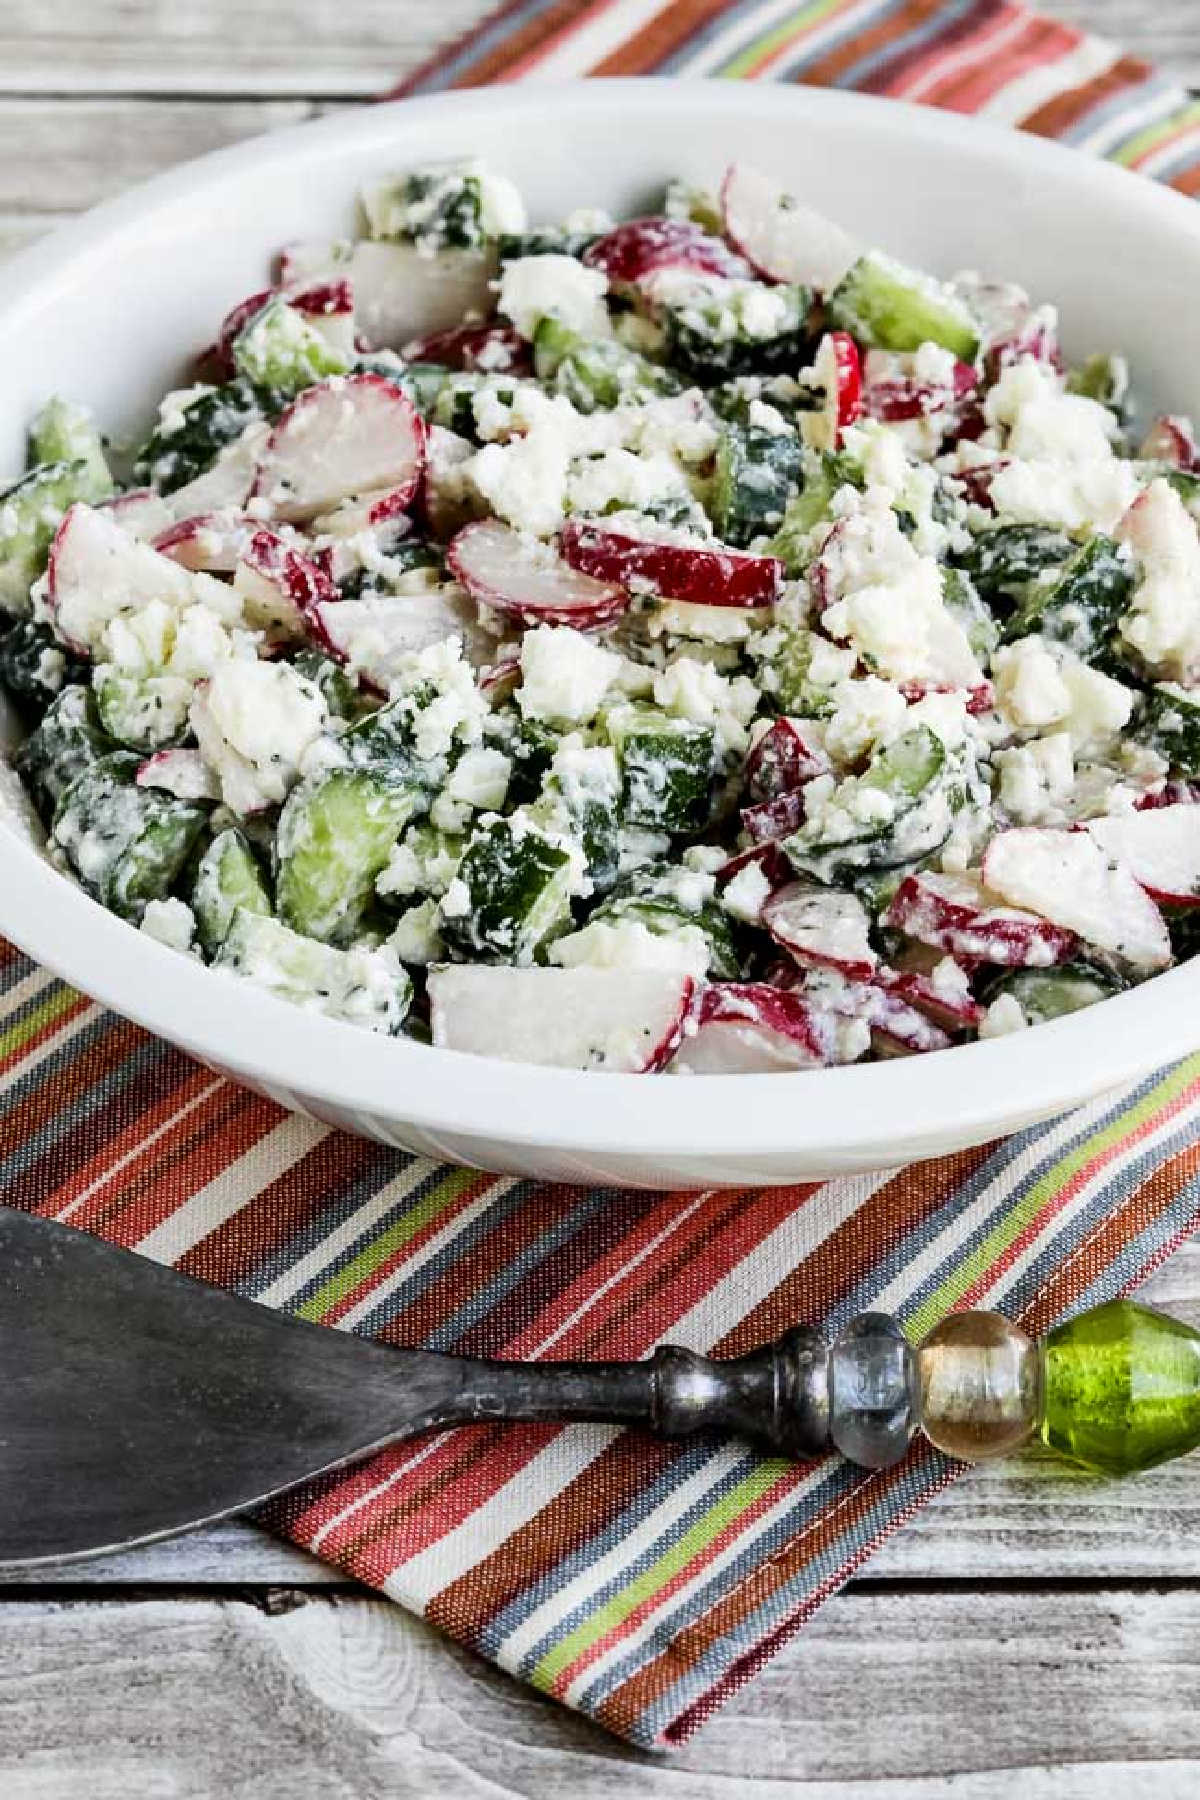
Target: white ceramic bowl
(106,312)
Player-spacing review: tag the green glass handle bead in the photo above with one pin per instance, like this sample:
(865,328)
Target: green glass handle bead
(1121,1388)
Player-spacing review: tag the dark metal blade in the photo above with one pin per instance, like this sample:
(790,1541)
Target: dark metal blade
(135,1402)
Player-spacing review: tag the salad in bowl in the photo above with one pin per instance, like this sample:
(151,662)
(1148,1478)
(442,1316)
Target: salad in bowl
(698,642)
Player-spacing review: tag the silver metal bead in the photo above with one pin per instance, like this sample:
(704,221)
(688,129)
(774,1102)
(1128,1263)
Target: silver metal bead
(872,1391)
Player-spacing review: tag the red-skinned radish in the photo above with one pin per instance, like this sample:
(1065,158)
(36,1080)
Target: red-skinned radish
(681,570)
(783,239)
(620,1021)
(640,247)
(1067,878)
(956,914)
(352,435)
(1161,845)
(281,588)
(749,1027)
(822,928)
(528,580)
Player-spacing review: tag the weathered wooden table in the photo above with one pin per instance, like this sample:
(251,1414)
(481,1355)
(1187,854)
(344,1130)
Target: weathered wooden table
(1033,1632)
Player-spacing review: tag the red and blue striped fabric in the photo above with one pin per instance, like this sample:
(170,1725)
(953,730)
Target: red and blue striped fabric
(638,1581)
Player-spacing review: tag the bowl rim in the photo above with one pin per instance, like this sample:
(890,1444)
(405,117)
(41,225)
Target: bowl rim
(986,1088)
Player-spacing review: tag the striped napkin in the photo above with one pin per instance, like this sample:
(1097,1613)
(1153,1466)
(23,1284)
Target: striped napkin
(640,1582)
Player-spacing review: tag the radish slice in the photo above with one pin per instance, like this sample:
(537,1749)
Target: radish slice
(893,392)
(784,240)
(838,370)
(367,512)
(232,327)
(280,588)
(643,246)
(529,581)
(400,294)
(822,929)
(773,819)
(141,513)
(483,349)
(949,1003)
(979,699)
(96,571)
(353,435)
(183,773)
(750,1028)
(226,485)
(784,758)
(680,570)
(956,914)
(1160,845)
(895,1027)
(375,636)
(1035,338)
(1172,439)
(619,1021)
(501,681)
(1067,878)
(209,541)
(765,855)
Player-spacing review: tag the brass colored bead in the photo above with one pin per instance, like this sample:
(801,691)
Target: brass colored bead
(979,1380)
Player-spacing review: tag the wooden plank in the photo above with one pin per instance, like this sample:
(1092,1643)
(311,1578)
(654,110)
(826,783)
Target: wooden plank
(62,156)
(241,46)
(1045,1694)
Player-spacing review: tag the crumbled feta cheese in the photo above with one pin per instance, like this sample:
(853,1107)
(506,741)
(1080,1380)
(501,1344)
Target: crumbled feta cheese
(745,896)
(554,287)
(253,722)
(564,675)
(1003,1015)
(416,938)
(628,944)
(1037,780)
(170,922)
(1030,691)
(1163,621)
(866,713)
(1059,466)
(480,779)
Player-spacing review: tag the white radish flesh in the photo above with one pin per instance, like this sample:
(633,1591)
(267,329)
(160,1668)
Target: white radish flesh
(784,240)
(1067,878)
(97,570)
(822,928)
(529,581)
(353,435)
(618,1021)
(1160,845)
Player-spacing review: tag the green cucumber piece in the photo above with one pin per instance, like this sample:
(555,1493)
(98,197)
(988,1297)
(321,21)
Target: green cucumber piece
(1104,378)
(437,208)
(596,374)
(1053,993)
(667,767)
(228,876)
(341,696)
(177,452)
(547,240)
(664,917)
(401,560)
(756,475)
(962,601)
(784,656)
(511,892)
(128,845)
(1082,609)
(64,432)
(453,406)
(1170,724)
(35,667)
(144,712)
(336,834)
(69,740)
(1005,561)
(582,795)
(712,335)
(811,507)
(913,773)
(30,513)
(281,350)
(889,306)
(362,987)
(694,205)
(385,741)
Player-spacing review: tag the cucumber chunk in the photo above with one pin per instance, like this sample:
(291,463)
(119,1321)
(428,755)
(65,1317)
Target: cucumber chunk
(756,474)
(664,915)
(888,306)
(453,406)
(547,240)
(1053,993)
(388,577)
(279,349)
(35,667)
(144,712)
(854,833)
(341,696)
(784,656)
(30,512)
(1083,607)
(386,741)
(189,440)
(439,208)
(596,374)
(336,834)
(1006,560)
(64,432)
(792,543)
(667,766)
(582,798)
(511,892)
(228,876)
(69,740)
(962,601)
(719,328)
(1171,725)
(1104,378)
(363,987)
(128,845)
